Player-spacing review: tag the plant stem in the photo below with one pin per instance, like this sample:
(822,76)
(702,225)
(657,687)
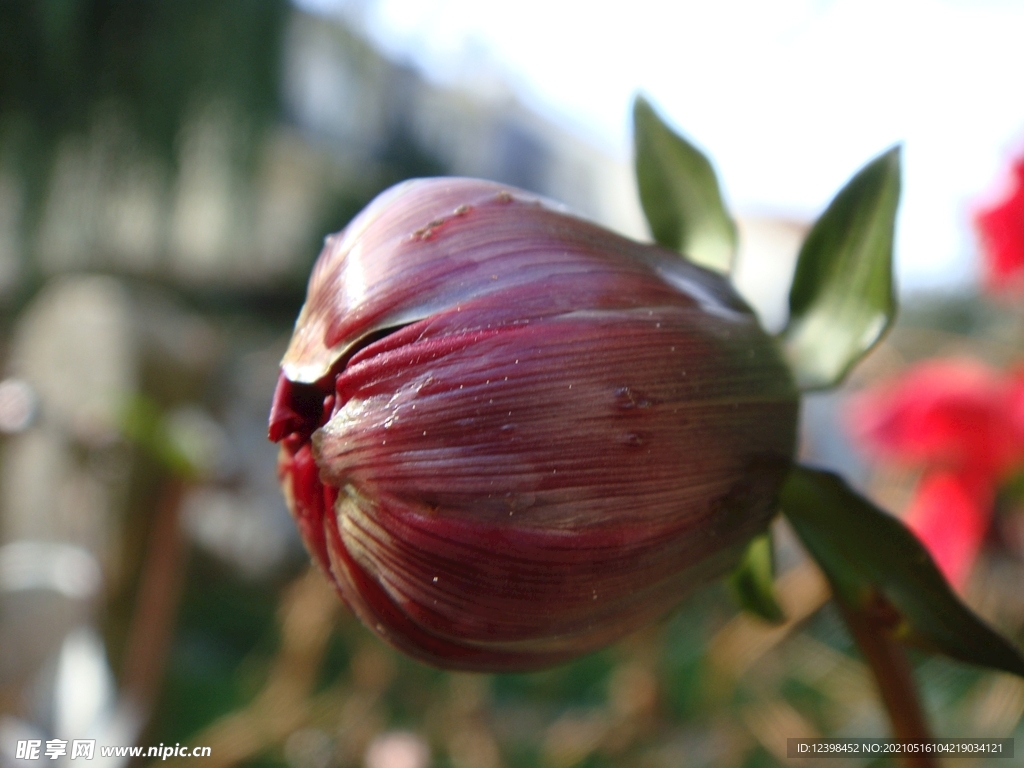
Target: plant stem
(893,676)
(157,600)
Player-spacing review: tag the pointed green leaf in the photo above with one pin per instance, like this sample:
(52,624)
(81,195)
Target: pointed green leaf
(842,300)
(680,194)
(865,551)
(752,583)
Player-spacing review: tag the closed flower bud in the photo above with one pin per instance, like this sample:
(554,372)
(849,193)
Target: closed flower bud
(510,436)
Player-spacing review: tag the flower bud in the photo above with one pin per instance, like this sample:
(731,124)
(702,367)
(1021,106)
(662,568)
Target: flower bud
(510,436)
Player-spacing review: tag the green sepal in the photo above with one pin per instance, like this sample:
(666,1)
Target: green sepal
(842,301)
(752,584)
(680,194)
(867,553)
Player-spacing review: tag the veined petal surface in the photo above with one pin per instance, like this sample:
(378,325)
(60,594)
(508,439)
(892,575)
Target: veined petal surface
(531,435)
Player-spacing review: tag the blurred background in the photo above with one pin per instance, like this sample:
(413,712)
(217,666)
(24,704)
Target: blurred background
(168,171)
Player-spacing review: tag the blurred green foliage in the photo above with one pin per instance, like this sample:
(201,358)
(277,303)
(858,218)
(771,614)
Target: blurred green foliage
(61,59)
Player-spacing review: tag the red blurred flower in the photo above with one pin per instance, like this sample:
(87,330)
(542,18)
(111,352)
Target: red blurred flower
(950,514)
(963,422)
(953,413)
(1001,229)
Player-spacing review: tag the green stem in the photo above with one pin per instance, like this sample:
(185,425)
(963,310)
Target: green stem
(894,678)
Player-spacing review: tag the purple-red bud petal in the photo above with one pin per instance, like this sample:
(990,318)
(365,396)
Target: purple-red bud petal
(511,436)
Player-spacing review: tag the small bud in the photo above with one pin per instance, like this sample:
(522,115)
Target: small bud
(510,436)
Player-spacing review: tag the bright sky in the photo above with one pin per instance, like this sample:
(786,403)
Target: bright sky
(789,98)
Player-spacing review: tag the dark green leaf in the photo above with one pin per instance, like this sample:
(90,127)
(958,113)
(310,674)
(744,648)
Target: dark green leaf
(842,300)
(866,552)
(752,583)
(680,194)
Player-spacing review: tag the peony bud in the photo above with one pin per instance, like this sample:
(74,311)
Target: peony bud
(510,436)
